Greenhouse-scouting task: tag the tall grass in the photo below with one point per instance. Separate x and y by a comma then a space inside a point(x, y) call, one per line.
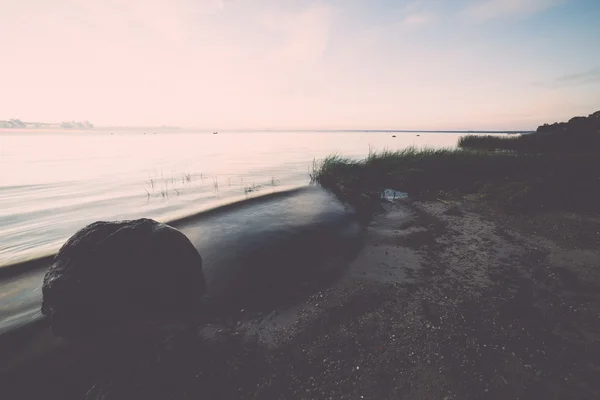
point(583, 140)
point(489, 142)
point(578, 135)
point(511, 179)
point(251, 188)
point(557, 166)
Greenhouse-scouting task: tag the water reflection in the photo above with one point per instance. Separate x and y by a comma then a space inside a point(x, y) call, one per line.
point(53, 184)
point(255, 253)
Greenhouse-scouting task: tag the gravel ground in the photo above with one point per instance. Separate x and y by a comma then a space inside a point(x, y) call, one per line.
point(499, 307)
point(447, 300)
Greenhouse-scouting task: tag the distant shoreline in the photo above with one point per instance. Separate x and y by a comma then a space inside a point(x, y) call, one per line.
point(187, 130)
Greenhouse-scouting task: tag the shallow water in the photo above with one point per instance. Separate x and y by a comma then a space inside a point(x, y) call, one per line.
point(54, 183)
point(247, 263)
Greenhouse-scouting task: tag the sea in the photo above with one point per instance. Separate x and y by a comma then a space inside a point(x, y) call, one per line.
point(53, 183)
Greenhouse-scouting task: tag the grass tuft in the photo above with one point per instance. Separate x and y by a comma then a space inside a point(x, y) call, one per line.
point(251, 188)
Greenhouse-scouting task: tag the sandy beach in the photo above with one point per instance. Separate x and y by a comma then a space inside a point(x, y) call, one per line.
point(457, 302)
point(300, 200)
point(446, 300)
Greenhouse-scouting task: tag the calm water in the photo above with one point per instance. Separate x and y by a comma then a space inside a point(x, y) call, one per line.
point(54, 183)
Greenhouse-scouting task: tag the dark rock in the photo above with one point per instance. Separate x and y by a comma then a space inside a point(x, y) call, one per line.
point(110, 274)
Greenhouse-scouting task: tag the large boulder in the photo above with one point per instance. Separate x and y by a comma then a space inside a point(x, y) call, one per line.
point(111, 274)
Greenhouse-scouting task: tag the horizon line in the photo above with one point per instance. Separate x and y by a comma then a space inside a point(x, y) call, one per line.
point(178, 128)
point(56, 125)
point(321, 129)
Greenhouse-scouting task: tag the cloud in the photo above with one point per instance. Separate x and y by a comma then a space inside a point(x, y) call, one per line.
point(491, 9)
point(414, 20)
point(303, 34)
point(293, 63)
point(573, 79)
point(592, 75)
point(417, 13)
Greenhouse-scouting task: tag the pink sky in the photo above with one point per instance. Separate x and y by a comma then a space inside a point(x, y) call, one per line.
point(353, 64)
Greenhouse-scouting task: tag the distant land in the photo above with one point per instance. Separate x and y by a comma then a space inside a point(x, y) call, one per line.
point(86, 125)
point(18, 124)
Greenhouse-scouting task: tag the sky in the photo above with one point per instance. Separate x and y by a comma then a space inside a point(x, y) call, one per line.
point(300, 64)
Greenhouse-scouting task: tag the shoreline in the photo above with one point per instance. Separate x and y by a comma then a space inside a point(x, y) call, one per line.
point(16, 274)
point(484, 283)
point(446, 299)
point(176, 218)
point(240, 225)
point(485, 310)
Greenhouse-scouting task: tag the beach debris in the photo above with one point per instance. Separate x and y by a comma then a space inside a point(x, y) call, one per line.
point(391, 195)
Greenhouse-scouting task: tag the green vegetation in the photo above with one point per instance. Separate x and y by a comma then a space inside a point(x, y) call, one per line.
point(580, 134)
point(519, 180)
point(251, 188)
point(489, 142)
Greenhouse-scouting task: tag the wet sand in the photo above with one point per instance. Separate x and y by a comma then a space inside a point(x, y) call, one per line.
point(461, 302)
point(445, 301)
